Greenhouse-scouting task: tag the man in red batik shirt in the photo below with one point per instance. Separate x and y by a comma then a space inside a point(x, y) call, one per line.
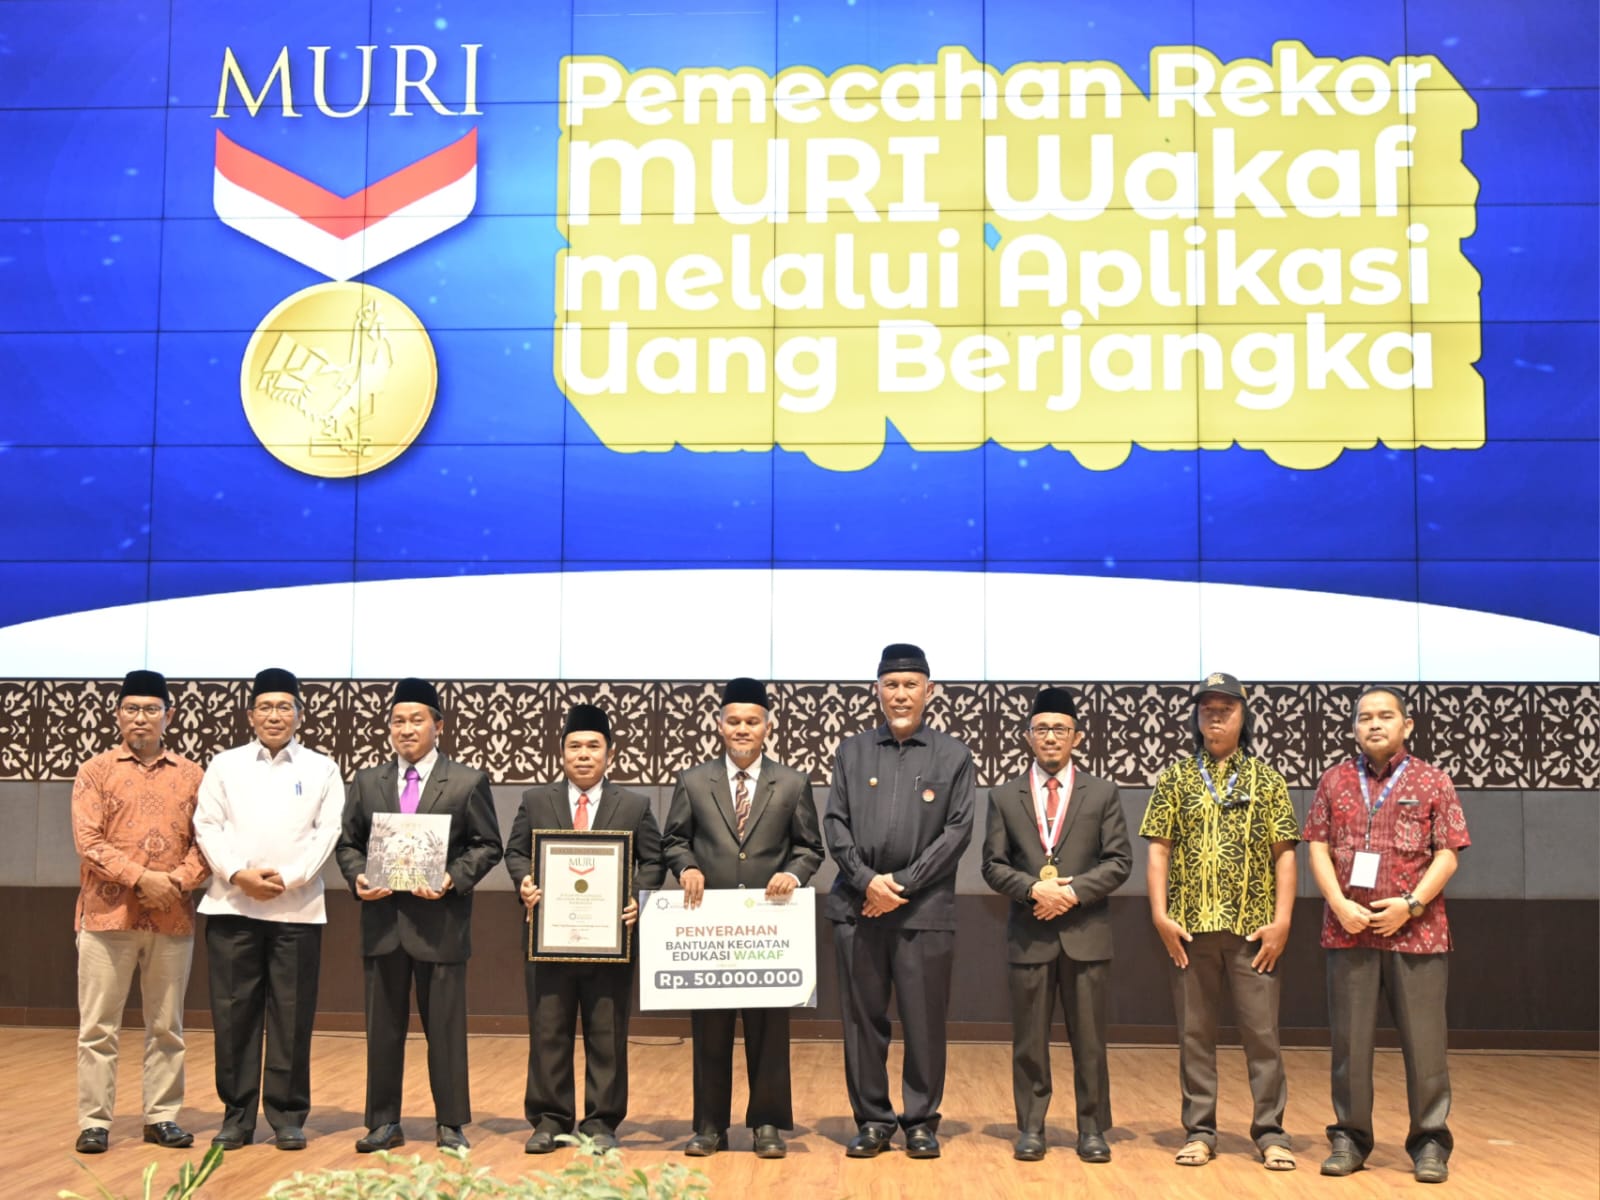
point(1384, 832)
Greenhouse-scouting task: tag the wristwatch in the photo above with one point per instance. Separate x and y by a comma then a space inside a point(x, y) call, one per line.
point(1416, 906)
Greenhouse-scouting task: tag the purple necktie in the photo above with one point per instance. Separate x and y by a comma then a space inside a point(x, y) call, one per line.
point(411, 793)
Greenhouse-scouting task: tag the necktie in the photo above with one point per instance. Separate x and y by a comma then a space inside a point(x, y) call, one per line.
point(741, 803)
point(411, 794)
point(580, 819)
point(1052, 804)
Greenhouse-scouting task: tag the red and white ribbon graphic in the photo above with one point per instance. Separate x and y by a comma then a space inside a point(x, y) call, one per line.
point(344, 236)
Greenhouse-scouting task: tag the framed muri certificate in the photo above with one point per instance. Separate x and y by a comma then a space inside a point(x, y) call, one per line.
point(585, 880)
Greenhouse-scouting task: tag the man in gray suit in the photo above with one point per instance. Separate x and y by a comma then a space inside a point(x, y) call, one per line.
point(423, 935)
point(743, 820)
point(559, 991)
point(1057, 845)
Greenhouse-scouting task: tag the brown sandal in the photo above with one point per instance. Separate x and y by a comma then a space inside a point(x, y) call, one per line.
point(1278, 1158)
point(1195, 1154)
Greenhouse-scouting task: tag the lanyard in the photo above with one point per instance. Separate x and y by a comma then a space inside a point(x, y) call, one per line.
point(1212, 788)
point(1047, 837)
point(1366, 794)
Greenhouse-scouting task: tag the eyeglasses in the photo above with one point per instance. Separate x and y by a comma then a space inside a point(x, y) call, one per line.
point(141, 710)
point(1045, 732)
point(283, 709)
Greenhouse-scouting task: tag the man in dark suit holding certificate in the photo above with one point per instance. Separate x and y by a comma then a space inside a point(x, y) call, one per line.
point(743, 820)
point(601, 991)
point(424, 935)
point(1057, 845)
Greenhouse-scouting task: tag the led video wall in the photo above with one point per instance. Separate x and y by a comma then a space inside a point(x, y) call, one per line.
point(658, 340)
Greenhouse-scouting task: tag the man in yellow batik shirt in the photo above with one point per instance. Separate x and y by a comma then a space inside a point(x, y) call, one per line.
point(1221, 880)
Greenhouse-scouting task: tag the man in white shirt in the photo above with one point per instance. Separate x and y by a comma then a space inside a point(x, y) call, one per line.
point(267, 820)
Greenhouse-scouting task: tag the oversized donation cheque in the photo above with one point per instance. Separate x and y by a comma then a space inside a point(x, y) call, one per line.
point(737, 950)
point(585, 880)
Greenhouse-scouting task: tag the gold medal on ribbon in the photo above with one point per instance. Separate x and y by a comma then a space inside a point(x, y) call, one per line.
point(338, 380)
point(1048, 871)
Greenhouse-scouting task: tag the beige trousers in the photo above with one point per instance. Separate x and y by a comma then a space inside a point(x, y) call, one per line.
point(106, 963)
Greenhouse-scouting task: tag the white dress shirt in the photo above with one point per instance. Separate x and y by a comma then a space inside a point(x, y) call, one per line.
point(574, 791)
point(424, 768)
point(275, 811)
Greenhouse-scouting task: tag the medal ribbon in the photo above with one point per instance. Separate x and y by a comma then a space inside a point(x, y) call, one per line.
point(1048, 836)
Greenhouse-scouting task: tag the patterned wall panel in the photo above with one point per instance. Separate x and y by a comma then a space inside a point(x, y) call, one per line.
point(1487, 736)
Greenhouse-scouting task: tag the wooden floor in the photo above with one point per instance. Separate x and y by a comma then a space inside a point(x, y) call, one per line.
point(1526, 1125)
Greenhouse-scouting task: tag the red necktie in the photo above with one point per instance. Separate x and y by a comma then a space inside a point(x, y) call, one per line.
point(580, 820)
point(1052, 804)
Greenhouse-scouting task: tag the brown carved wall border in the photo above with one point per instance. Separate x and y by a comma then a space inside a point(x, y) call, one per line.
point(1487, 736)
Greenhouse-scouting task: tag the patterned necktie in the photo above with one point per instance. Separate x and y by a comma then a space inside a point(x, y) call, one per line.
point(580, 819)
point(411, 794)
point(1052, 804)
point(741, 803)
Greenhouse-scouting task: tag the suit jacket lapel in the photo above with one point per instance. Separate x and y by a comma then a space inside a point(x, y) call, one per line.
point(388, 798)
point(758, 802)
point(434, 788)
point(1030, 816)
point(560, 808)
point(722, 793)
point(604, 807)
point(1074, 805)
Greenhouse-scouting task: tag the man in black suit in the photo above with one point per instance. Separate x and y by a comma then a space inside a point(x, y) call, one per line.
point(743, 820)
point(424, 935)
point(559, 991)
point(1057, 844)
point(899, 815)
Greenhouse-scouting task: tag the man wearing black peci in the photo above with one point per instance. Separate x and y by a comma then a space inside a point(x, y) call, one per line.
point(1057, 845)
point(558, 992)
point(742, 820)
point(423, 935)
point(899, 815)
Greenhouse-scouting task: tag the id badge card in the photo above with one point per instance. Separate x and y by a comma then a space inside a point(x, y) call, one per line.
point(1364, 871)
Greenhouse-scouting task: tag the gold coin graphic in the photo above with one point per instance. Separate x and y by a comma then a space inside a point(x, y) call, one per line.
point(338, 380)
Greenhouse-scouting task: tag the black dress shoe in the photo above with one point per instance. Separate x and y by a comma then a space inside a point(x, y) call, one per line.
point(921, 1143)
point(381, 1137)
point(233, 1139)
point(1092, 1148)
point(605, 1140)
point(869, 1143)
point(1344, 1160)
point(1029, 1147)
point(450, 1137)
point(94, 1140)
point(704, 1145)
point(769, 1142)
point(1430, 1166)
point(168, 1134)
point(540, 1142)
point(290, 1137)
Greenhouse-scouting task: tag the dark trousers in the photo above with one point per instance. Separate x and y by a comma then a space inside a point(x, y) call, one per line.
point(1219, 965)
point(442, 1004)
point(916, 964)
point(558, 995)
point(1084, 988)
point(1415, 986)
point(263, 981)
point(766, 1060)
